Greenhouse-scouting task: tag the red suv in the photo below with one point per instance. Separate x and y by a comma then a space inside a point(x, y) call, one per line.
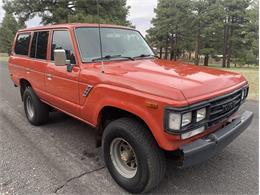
point(142, 107)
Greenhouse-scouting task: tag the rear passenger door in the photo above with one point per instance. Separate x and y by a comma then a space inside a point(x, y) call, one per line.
point(38, 62)
point(61, 85)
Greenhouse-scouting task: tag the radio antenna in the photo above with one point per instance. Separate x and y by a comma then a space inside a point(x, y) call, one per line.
point(100, 41)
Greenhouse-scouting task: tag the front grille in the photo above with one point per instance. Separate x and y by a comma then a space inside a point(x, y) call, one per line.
point(223, 107)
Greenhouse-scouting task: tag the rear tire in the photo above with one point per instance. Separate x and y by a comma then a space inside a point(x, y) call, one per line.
point(36, 111)
point(132, 156)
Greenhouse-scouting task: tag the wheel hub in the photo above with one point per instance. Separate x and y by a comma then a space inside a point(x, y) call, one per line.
point(29, 107)
point(123, 157)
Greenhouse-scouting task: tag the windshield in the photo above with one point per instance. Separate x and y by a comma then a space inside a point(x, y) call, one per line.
point(115, 42)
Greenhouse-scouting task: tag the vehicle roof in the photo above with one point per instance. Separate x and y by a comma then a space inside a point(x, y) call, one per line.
point(71, 25)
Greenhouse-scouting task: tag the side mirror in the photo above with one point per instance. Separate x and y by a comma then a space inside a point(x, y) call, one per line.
point(60, 57)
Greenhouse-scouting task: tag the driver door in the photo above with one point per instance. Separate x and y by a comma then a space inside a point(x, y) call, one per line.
point(62, 86)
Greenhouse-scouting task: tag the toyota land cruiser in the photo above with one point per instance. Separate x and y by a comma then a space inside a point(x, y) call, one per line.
point(142, 107)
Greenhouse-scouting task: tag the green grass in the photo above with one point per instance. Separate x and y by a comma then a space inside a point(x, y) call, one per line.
point(251, 73)
point(4, 57)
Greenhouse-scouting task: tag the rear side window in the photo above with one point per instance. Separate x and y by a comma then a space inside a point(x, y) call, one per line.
point(22, 44)
point(61, 40)
point(39, 45)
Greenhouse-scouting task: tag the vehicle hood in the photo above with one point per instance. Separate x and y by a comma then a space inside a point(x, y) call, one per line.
point(163, 78)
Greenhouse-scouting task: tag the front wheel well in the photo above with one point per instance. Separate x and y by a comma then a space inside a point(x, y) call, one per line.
point(23, 85)
point(109, 114)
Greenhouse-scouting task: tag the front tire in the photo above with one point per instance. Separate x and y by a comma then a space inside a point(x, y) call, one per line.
point(36, 111)
point(132, 156)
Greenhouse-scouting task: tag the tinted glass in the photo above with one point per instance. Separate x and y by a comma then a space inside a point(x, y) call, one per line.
point(42, 44)
point(115, 41)
point(22, 44)
point(61, 40)
point(39, 45)
point(33, 45)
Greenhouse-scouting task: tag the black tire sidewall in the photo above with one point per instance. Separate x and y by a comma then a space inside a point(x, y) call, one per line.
point(27, 94)
point(139, 181)
point(41, 111)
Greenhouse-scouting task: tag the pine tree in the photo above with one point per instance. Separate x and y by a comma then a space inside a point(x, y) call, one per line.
point(170, 26)
point(208, 28)
point(234, 20)
point(8, 30)
point(64, 11)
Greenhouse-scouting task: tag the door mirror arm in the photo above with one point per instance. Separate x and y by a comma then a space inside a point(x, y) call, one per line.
point(70, 67)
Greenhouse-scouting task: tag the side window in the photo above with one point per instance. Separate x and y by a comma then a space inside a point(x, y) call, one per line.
point(61, 40)
point(39, 45)
point(22, 44)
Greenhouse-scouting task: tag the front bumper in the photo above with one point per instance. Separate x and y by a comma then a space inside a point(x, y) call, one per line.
point(206, 147)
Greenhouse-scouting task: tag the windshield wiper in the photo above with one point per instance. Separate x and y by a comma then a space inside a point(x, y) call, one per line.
point(107, 57)
point(146, 55)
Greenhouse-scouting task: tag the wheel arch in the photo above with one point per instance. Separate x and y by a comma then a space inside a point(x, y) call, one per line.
point(110, 113)
point(24, 83)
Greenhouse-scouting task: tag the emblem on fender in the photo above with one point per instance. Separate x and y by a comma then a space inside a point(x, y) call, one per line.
point(87, 90)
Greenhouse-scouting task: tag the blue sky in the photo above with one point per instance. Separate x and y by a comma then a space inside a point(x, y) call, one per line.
point(141, 13)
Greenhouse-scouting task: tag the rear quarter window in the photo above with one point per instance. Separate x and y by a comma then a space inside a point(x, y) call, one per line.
point(22, 44)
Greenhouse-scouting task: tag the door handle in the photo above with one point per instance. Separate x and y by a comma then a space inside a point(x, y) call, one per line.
point(49, 76)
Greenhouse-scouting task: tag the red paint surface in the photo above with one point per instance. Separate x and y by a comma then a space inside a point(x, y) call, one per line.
point(124, 84)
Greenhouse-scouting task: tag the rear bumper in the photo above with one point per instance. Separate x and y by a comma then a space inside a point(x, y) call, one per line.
point(206, 147)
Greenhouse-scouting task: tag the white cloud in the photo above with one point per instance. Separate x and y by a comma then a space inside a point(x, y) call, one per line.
point(33, 22)
point(141, 14)
point(2, 12)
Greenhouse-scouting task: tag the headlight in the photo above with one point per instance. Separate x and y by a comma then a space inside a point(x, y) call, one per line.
point(186, 119)
point(178, 120)
point(201, 114)
point(174, 121)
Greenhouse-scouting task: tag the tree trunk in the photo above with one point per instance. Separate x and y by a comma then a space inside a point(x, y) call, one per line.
point(160, 52)
point(68, 11)
point(206, 60)
point(172, 47)
point(228, 55)
point(229, 50)
point(166, 48)
point(171, 54)
point(197, 46)
point(175, 48)
point(189, 55)
point(226, 38)
point(224, 47)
